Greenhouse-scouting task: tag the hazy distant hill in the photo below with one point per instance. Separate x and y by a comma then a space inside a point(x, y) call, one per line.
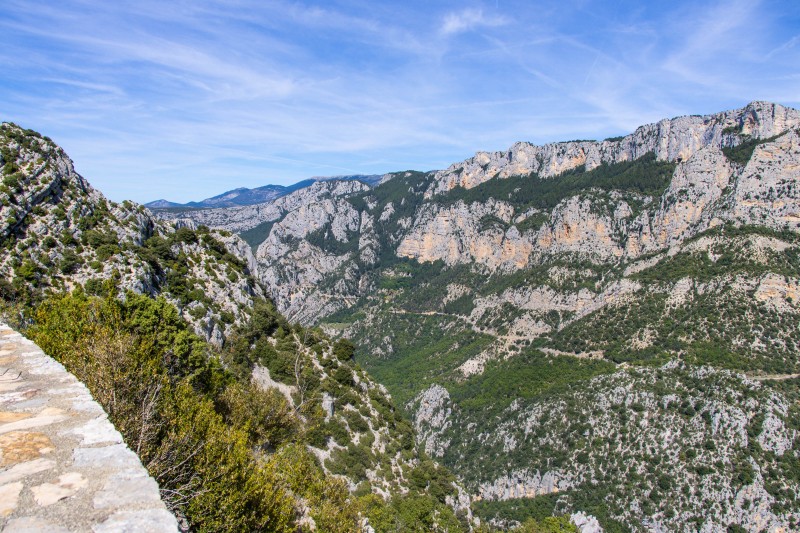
point(259, 195)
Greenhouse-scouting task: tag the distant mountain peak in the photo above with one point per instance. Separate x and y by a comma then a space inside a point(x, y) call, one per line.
point(266, 193)
point(161, 204)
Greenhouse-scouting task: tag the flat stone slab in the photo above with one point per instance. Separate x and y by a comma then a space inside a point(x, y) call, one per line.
point(63, 465)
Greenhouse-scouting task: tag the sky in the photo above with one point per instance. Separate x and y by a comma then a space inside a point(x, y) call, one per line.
point(184, 99)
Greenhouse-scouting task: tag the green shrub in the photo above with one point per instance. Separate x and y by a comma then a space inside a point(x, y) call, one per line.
point(344, 350)
point(106, 251)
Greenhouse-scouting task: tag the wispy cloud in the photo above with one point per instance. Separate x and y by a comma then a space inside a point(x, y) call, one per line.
point(469, 19)
point(707, 31)
point(186, 99)
point(784, 47)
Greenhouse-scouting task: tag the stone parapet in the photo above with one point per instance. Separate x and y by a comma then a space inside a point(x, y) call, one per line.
point(63, 465)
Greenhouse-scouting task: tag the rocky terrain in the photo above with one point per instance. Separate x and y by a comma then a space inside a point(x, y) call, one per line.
point(691, 446)
point(76, 263)
point(59, 232)
point(576, 279)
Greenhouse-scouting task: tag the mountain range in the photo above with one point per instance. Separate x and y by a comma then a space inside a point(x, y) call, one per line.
point(602, 331)
point(603, 327)
point(258, 195)
point(247, 422)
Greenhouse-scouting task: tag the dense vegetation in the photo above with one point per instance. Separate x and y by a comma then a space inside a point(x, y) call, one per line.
point(169, 399)
point(529, 375)
point(675, 438)
point(727, 327)
point(644, 176)
point(258, 234)
point(742, 152)
point(426, 320)
point(227, 454)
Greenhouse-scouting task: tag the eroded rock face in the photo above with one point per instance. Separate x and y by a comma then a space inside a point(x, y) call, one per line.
point(768, 190)
point(586, 523)
point(706, 190)
point(294, 281)
point(61, 233)
point(670, 140)
point(320, 243)
point(432, 411)
point(523, 484)
point(239, 219)
point(579, 226)
point(696, 185)
point(459, 234)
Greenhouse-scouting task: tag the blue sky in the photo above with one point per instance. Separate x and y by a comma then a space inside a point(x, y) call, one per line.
point(186, 99)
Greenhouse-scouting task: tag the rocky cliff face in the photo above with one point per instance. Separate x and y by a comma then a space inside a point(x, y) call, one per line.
point(440, 221)
point(59, 233)
point(240, 219)
point(706, 189)
point(670, 140)
point(523, 289)
point(645, 435)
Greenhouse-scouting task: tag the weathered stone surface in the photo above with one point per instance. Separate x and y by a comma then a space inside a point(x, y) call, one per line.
point(98, 431)
point(21, 446)
point(117, 457)
point(525, 484)
point(455, 235)
point(130, 488)
point(432, 412)
point(63, 465)
point(767, 192)
point(44, 418)
point(64, 486)
point(34, 524)
point(9, 496)
point(25, 469)
point(147, 521)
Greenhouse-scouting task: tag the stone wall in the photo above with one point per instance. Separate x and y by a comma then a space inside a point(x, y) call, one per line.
point(63, 465)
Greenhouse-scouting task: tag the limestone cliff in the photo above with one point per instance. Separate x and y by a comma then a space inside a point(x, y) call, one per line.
point(60, 233)
point(538, 310)
point(318, 242)
point(239, 219)
point(670, 140)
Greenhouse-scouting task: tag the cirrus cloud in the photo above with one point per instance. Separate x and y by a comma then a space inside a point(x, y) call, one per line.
point(468, 19)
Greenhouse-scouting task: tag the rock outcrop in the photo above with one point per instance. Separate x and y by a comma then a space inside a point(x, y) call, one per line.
point(318, 242)
point(539, 310)
point(670, 140)
point(239, 219)
point(60, 233)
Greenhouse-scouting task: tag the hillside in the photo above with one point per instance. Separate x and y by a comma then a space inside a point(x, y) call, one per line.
point(606, 327)
point(247, 421)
